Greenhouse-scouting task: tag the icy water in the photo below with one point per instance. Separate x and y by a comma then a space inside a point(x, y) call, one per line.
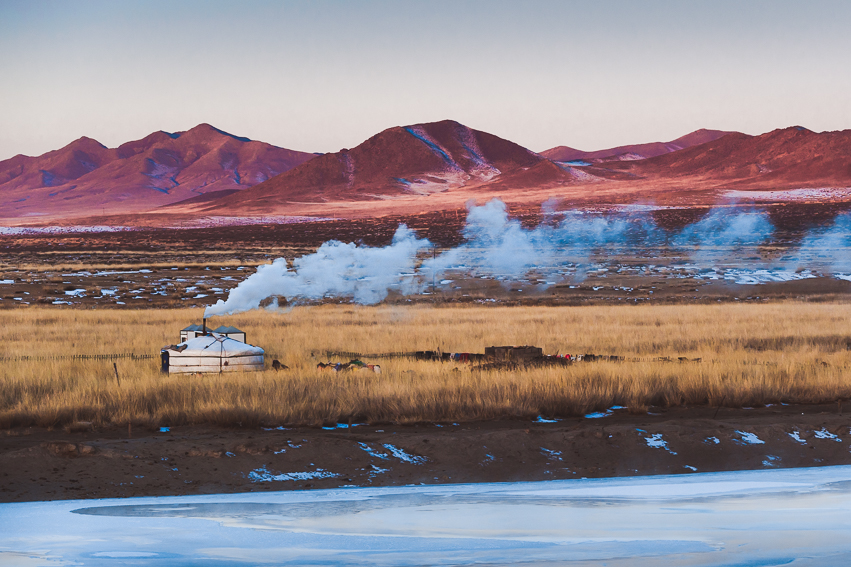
point(772, 517)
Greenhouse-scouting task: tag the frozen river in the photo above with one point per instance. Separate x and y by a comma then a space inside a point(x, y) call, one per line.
point(751, 518)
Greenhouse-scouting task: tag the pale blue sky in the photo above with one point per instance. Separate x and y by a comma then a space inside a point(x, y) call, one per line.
point(322, 75)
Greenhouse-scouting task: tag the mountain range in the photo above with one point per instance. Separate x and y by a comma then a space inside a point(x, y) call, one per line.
point(161, 168)
point(437, 165)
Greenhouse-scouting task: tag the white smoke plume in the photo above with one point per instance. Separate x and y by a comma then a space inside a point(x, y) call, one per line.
point(499, 247)
point(496, 246)
point(831, 245)
point(366, 274)
point(722, 229)
point(711, 239)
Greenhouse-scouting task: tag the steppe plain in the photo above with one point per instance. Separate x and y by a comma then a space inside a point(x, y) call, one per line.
point(768, 390)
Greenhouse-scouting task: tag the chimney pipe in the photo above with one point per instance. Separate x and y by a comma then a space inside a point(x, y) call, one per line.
point(205, 327)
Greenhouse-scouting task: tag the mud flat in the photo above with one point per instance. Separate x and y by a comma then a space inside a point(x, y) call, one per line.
point(37, 464)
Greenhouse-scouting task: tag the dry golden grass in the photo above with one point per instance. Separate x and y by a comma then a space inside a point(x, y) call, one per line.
point(752, 355)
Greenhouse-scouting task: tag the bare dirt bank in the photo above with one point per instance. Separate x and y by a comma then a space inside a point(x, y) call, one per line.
point(37, 464)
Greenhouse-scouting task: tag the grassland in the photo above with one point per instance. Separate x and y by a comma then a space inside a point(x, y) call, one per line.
point(751, 355)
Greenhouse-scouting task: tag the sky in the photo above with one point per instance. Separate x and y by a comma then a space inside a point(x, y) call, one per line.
point(323, 75)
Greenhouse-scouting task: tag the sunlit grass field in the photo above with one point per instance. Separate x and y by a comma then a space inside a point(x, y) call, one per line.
point(750, 355)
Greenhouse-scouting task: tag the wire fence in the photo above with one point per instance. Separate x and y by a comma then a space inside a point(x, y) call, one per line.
point(118, 356)
point(347, 354)
point(429, 355)
point(423, 355)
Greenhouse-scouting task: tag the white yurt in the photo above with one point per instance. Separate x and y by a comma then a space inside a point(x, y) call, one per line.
point(212, 353)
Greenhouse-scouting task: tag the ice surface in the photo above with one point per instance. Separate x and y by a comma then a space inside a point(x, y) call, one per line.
point(766, 517)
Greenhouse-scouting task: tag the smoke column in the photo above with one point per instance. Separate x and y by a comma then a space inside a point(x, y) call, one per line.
point(364, 273)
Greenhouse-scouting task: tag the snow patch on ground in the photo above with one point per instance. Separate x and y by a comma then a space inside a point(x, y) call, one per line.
point(796, 435)
point(823, 433)
point(372, 452)
point(748, 438)
point(550, 454)
point(801, 194)
point(403, 456)
point(755, 277)
point(263, 475)
point(598, 414)
point(771, 461)
point(545, 420)
point(656, 442)
point(19, 230)
point(215, 221)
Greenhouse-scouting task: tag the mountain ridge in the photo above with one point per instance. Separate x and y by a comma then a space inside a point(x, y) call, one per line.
point(634, 151)
point(159, 169)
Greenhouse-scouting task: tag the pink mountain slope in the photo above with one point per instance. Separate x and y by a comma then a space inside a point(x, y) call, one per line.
point(634, 151)
point(85, 177)
point(420, 159)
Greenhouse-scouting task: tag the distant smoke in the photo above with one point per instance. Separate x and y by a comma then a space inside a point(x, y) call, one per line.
point(494, 245)
point(365, 274)
point(720, 228)
point(497, 247)
point(830, 245)
point(721, 231)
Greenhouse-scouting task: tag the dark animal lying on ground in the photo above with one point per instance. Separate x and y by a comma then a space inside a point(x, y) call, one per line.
point(276, 365)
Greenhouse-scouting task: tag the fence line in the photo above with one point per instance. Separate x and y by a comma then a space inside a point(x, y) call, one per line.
point(342, 354)
point(346, 354)
point(595, 358)
point(119, 356)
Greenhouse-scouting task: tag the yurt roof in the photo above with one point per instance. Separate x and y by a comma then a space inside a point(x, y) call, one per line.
point(224, 329)
point(218, 346)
